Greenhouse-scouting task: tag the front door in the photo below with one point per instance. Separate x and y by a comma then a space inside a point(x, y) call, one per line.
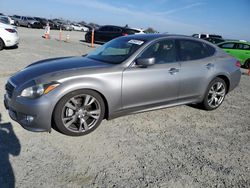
point(154, 84)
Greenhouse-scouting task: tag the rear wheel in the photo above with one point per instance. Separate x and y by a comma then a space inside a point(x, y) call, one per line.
point(1, 44)
point(215, 94)
point(79, 112)
point(247, 64)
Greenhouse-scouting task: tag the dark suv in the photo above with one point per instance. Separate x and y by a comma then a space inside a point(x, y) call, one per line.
point(109, 32)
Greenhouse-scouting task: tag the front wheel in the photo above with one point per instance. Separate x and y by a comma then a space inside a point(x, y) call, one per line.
point(215, 94)
point(1, 44)
point(79, 112)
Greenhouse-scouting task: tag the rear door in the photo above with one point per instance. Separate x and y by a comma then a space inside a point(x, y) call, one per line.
point(243, 52)
point(154, 84)
point(197, 65)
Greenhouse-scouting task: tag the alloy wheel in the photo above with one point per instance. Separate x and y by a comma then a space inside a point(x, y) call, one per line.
point(81, 113)
point(216, 94)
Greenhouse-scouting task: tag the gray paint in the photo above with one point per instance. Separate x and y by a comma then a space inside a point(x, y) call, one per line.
point(126, 87)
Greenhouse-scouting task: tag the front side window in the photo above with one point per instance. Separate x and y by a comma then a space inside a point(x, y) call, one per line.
point(116, 51)
point(227, 45)
point(163, 51)
point(193, 50)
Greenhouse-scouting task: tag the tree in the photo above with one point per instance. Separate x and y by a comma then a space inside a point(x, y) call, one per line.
point(150, 30)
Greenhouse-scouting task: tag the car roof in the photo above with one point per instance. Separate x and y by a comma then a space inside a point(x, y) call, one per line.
point(233, 41)
point(149, 37)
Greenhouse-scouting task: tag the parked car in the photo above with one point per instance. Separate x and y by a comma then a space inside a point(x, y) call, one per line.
point(29, 22)
point(8, 36)
point(16, 19)
point(78, 27)
point(63, 25)
point(54, 25)
point(43, 21)
point(214, 40)
point(240, 50)
point(130, 74)
point(138, 31)
point(109, 32)
point(8, 19)
point(202, 36)
point(4, 20)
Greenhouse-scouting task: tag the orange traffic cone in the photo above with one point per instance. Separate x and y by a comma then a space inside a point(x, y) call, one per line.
point(47, 36)
point(248, 73)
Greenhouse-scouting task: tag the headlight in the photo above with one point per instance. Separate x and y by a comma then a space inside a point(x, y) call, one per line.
point(38, 90)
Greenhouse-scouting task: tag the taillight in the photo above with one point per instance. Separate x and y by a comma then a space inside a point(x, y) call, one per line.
point(11, 30)
point(124, 34)
point(237, 64)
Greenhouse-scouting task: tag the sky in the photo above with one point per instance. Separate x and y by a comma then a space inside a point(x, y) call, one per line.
point(229, 18)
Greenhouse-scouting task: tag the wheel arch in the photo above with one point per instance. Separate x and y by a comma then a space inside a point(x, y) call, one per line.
point(106, 115)
point(3, 42)
point(226, 79)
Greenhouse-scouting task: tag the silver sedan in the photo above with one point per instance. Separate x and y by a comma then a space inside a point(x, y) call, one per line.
point(127, 75)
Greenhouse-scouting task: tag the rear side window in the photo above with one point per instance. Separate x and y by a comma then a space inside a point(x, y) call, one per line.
point(193, 50)
point(243, 47)
point(227, 45)
point(203, 36)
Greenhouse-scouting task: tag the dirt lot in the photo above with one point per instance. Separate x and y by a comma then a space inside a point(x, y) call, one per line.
point(175, 147)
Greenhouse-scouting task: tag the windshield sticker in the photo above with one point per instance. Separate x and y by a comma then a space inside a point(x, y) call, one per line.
point(138, 42)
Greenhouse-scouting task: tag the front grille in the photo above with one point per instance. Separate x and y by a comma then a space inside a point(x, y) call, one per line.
point(9, 89)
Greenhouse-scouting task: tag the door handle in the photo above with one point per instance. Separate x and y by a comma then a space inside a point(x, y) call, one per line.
point(173, 70)
point(209, 65)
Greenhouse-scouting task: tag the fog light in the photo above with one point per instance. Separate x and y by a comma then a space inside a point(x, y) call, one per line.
point(29, 119)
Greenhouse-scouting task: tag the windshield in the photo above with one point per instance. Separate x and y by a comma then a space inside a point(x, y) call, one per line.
point(116, 51)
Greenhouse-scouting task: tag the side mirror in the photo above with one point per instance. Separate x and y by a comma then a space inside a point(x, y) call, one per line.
point(145, 62)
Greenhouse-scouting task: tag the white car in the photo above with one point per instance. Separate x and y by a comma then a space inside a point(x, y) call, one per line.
point(8, 36)
point(78, 27)
point(7, 19)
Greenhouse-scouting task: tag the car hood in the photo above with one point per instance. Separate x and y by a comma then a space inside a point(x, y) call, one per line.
point(55, 65)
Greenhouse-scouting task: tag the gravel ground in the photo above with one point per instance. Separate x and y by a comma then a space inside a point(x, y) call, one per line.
point(175, 147)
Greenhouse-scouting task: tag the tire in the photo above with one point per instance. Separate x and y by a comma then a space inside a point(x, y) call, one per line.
point(79, 112)
point(215, 94)
point(88, 38)
point(247, 64)
point(1, 44)
point(29, 26)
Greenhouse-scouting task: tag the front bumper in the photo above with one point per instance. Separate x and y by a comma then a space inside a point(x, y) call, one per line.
point(24, 110)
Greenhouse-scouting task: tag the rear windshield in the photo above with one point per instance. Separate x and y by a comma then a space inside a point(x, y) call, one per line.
point(116, 51)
